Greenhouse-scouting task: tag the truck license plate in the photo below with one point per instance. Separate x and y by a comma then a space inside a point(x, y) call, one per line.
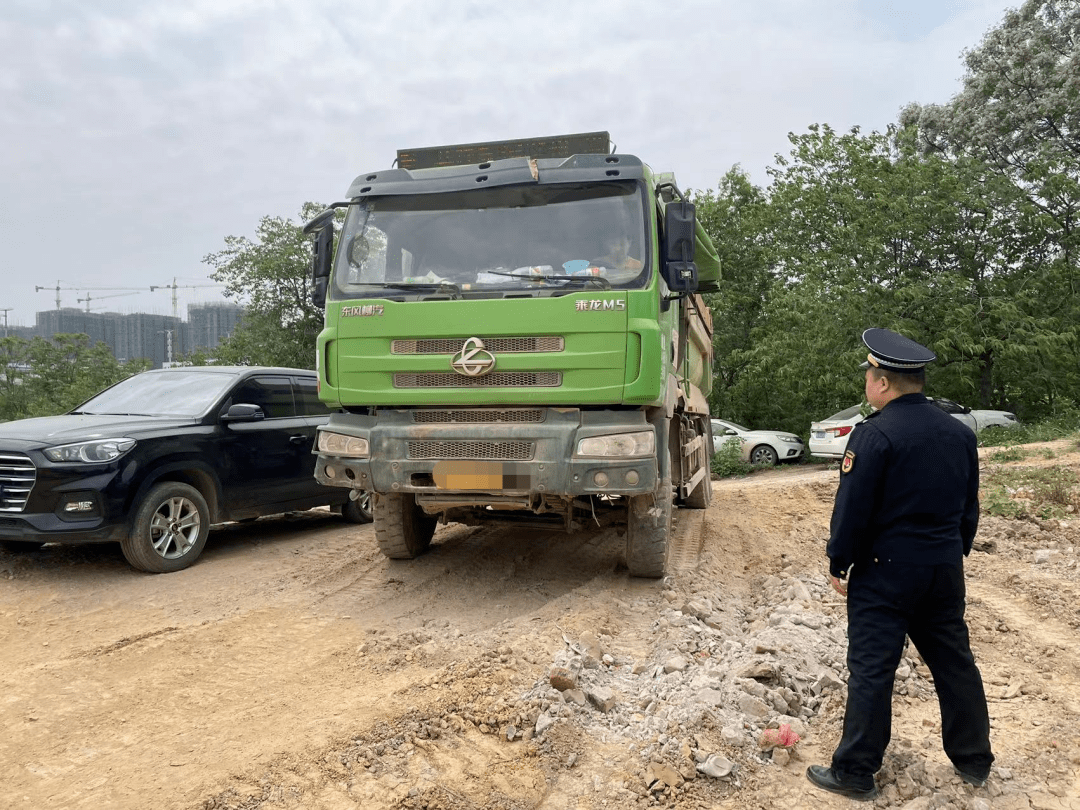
point(483, 475)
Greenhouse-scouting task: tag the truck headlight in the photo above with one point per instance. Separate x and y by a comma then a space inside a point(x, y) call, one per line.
point(619, 445)
point(338, 444)
point(92, 452)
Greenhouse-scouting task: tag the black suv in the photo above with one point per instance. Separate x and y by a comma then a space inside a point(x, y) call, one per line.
point(156, 459)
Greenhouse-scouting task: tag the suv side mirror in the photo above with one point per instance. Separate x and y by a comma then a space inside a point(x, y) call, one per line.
point(678, 267)
point(323, 228)
point(242, 412)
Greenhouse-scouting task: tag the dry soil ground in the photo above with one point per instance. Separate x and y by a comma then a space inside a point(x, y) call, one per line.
point(293, 666)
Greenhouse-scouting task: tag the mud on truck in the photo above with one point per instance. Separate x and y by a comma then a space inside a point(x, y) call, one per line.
point(514, 333)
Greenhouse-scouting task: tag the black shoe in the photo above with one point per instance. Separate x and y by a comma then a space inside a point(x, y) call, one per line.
point(972, 779)
point(826, 779)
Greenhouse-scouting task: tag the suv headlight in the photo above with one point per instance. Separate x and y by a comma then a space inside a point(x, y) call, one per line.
point(338, 444)
point(92, 452)
point(619, 445)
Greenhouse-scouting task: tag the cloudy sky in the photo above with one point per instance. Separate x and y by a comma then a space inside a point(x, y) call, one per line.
point(136, 134)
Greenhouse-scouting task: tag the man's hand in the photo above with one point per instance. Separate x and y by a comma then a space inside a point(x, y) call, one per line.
point(839, 585)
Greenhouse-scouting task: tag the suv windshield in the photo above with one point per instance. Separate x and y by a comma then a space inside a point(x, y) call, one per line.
point(173, 393)
point(539, 238)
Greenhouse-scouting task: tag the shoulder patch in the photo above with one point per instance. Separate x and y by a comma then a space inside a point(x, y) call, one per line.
point(848, 464)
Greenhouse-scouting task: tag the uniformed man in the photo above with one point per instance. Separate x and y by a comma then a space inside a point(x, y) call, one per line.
point(904, 518)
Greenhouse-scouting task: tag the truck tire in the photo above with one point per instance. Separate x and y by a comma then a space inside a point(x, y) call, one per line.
point(648, 531)
point(402, 529)
point(169, 530)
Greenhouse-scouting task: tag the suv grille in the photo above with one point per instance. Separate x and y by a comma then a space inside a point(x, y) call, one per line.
point(498, 345)
point(481, 416)
point(17, 477)
point(503, 451)
point(497, 379)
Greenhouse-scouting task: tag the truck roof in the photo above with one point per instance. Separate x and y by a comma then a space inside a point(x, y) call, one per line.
point(463, 154)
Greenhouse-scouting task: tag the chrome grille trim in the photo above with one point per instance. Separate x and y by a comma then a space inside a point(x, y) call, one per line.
point(501, 451)
point(497, 379)
point(17, 477)
point(477, 416)
point(498, 345)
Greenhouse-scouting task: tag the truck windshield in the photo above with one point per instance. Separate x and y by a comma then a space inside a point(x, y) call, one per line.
point(538, 238)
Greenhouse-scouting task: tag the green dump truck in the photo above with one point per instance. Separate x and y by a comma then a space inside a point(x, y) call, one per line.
point(514, 333)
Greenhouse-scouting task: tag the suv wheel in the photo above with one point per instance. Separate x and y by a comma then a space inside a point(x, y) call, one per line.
point(359, 510)
point(169, 530)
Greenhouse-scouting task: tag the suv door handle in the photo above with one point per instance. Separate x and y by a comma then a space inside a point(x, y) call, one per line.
point(298, 439)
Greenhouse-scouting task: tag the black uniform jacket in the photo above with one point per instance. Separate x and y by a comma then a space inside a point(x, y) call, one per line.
point(909, 489)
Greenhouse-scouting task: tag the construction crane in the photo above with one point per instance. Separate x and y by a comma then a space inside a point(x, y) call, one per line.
point(98, 298)
point(174, 286)
point(60, 286)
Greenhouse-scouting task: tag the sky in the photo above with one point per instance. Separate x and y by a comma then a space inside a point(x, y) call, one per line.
point(135, 135)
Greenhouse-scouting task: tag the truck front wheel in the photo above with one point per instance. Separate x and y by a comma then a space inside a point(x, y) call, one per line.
point(402, 529)
point(648, 529)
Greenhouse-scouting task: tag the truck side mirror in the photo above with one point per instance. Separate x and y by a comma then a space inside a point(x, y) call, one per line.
point(323, 228)
point(678, 267)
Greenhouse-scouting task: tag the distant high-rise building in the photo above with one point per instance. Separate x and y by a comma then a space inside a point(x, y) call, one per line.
point(158, 338)
point(209, 324)
point(72, 321)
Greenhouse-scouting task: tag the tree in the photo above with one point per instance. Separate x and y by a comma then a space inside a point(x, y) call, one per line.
point(43, 376)
point(735, 218)
point(1019, 115)
point(270, 277)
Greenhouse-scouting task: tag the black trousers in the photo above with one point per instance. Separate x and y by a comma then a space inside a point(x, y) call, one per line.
point(887, 601)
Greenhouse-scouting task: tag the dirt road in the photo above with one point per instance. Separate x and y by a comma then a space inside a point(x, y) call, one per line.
point(293, 666)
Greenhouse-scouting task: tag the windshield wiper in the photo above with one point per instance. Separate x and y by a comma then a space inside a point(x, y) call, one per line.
point(447, 287)
point(600, 281)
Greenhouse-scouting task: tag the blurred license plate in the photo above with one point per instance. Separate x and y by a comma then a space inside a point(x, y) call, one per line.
point(468, 475)
point(819, 434)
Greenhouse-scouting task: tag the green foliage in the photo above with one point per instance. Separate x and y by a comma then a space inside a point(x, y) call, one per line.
point(1066, 422)
point(956, 228)
point(1040, 492)
point(270, 277)
point(1008, 454)
point(43, 377)
point(995, 501)
point(728, 461)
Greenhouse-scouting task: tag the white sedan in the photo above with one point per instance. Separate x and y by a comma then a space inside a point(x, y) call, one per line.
point(829, 437)
point(765, 447)
point(978, 418)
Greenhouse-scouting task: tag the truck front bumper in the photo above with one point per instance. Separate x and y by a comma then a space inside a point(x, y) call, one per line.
point(504, 458)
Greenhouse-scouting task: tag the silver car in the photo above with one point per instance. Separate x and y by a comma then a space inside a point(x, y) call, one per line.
point(829, 437)
point(765, 447)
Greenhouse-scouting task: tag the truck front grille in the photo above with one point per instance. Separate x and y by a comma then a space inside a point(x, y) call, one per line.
point(17, 477)
point(478, 416)
point(497, 379)
point(500, 451)
point(498, 345)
